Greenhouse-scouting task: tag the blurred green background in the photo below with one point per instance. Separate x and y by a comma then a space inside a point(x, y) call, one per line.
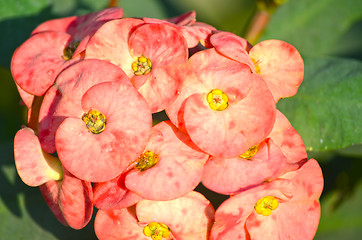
point(326, 111)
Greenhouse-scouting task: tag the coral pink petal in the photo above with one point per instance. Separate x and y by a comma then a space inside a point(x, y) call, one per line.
point(231, 215)
point(108, 153)
point(232, 46)
point(175, 109)
point(50, 192)
point(307, 180)
point(64, 99)
point(110, 43)
point(209, 129)
point(280, 65)
point(161, 43)
point(34, 68)
point(206, 71)
point(185, 19)
point(255, 114)
point(118, 224)
point(300, 215)
point(34, 166)
point(189, 217)
point(288, 139)
point(85, 26)
point(55, 25)
point(159, 89)
point(25, 96)
point(197, 33)
point(114, 194)
point(246, 122)
point(176, 161)
point(215, 71)
point(167, 50)
point(230, 175)
point(75, 201)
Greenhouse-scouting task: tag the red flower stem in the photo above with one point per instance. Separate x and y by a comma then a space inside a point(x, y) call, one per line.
point(257, 26)
point(34, 115)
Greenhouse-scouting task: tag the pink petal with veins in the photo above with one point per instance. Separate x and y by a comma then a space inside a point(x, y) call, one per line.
point(281, 65)
point(101, 157)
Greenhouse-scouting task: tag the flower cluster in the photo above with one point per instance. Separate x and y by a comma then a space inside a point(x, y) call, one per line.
point(93, 85)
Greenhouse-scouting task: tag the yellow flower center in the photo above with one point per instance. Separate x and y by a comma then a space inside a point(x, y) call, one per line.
point(217, 100)
point(142, 66)
point(69, 50)
point(266, 205)
point(250, 152)
point(146, 160)
point(95, 121)
point(256, 65)
point(156, 230)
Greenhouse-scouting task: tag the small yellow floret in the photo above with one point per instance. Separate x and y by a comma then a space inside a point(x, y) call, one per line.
point(250, 152)
point(69, 50)
point(95, 121)
point(142, 66)
point(256, 65)
point(217, 99)
point(146, 160)
point(266, 205)
point(156, 230)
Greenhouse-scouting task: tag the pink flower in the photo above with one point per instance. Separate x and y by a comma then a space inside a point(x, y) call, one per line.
point(37, 62)
point(69, 198)
point(194, 32)
point(287, 208)
point(152, 55)
point(280, 64)
point(222, 105)
point(64, 98)
point(187, 218)
point(34, 165)
point(113, 194)
point(277, 62)
point(169, 167)
point(81, 28)
point(283, 150)
point(98, 143)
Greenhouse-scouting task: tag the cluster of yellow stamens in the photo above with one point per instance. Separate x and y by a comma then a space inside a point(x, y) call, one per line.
point(156, 230)
point(250, 152)
point(256, 65)
point(146, 160)
point(217, 100)
point(69, 50)
point(266, 205)
point(142, 66)
point(95, 121)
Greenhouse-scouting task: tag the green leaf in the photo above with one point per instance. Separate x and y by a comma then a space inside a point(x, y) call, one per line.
point(327, 110)
point(23, 211)
point(314, 27)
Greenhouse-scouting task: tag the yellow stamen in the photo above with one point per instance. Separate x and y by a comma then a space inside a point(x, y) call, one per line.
point(217, 99)
point(156, 230)
point(69, 50)
point(256, 65)
point(266, 205)
point(95, 121)
point(250, 152)
point(142, 66)
point(146, 160)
